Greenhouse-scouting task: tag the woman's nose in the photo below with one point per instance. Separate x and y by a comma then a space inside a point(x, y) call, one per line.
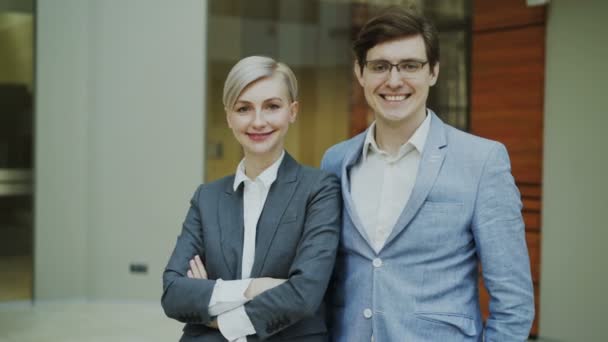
point(259, 120)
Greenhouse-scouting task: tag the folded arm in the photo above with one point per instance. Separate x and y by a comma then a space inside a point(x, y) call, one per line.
point(301, 295)
point(187, 299)
point(228, 298)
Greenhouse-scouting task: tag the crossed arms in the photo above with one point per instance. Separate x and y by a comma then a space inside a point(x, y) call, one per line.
point(275, 304)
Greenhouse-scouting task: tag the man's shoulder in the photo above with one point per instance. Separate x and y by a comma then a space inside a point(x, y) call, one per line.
point(340, 149)
point(334, 156)
point(468, 142)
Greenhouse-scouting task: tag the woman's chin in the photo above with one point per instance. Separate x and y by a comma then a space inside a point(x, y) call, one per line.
point(262, 152)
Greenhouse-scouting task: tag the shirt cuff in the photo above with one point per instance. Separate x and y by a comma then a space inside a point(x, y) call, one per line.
point(235, 323)
point(227, 295)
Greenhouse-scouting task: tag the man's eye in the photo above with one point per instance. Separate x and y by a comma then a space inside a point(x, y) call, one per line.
point(410, 66)
point(379, 67)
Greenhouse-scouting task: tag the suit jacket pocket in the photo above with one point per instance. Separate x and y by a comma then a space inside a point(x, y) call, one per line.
point(288, 218)
point(443, 322)
point(439, 222)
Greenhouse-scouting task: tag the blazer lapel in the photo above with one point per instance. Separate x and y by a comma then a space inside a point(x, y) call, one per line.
point(278, 199)
point(430, 164)
point(231, 227)
point(350, 160)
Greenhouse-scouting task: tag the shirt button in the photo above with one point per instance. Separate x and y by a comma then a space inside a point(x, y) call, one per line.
point(367, 313)
point(377, 262)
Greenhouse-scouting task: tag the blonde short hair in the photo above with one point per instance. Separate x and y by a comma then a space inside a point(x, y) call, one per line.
point(251, 69)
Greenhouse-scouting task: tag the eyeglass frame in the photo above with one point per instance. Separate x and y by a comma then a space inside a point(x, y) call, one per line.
point(391, 65)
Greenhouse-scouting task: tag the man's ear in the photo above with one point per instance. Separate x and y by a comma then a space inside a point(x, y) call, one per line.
point(358, 72)
point(294, 107)
point(435, 74)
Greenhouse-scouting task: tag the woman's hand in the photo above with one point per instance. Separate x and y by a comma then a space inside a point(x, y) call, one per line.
point(197, 269)
point(259, 285)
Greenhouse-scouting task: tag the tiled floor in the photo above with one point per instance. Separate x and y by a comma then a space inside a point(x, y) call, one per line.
point(86, 322)
point(90, 322)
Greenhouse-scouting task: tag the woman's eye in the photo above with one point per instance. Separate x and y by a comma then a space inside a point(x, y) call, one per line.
point(243, 109)
point(273, 106)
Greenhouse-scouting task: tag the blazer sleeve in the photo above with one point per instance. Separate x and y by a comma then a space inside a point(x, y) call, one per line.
point(301, 295)
point(499, 233)
point(186, 299)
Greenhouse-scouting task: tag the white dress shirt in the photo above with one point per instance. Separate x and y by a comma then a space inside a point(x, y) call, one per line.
point(381, 184)
point(228, 296)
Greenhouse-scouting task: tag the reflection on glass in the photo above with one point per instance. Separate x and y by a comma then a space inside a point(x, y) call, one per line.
point(449, 98)
point(16, 104)
point(314, 38)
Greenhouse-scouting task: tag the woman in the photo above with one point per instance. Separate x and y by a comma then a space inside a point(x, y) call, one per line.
point(257, 248)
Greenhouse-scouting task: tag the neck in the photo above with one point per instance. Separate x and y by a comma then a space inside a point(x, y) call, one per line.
point(390, 136)
point(256, 164)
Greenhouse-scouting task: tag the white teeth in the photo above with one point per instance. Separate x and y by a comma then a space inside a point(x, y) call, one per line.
point(394, 97)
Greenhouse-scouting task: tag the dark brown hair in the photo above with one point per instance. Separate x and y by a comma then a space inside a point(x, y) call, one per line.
point(394, 23)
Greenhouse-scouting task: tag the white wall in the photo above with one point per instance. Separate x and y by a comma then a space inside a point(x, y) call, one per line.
point(574, 274)
point(119, 144)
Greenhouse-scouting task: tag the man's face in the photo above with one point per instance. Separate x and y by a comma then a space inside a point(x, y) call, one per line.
point(398, 97)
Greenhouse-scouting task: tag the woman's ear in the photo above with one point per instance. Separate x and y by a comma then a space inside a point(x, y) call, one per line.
point(294, 107)
point(228, 117)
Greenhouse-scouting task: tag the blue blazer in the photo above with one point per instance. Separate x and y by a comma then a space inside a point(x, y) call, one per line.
point(464, 212)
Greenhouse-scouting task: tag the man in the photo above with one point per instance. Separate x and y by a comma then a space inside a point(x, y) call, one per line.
point(425, 205)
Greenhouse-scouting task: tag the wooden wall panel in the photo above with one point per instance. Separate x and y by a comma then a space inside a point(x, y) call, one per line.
point(507, 96)
point(501, 14)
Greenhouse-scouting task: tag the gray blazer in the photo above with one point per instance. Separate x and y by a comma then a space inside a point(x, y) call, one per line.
point(297, 239)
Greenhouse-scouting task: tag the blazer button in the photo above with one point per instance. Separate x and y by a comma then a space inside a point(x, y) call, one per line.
point(377, 262)
point(367, 313)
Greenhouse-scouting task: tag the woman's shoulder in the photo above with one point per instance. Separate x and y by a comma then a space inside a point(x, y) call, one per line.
point(317, 176)
point(215, 186)
point(313, 171)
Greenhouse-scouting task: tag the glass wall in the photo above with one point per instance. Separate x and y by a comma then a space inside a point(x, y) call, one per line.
point(314, 38)
point(16, 141)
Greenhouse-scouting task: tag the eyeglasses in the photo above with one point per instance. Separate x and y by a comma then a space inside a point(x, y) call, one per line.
point(407, 68)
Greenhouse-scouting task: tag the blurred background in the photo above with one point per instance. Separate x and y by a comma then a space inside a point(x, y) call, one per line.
point(111, 115)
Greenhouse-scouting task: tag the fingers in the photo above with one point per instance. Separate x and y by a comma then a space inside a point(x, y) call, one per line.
point(201, 267)
point(197, 269)
point(212, 324)
point(259, 285)
point(194, 270)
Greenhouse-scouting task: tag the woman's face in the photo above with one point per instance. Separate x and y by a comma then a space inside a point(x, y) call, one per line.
point(261, 116)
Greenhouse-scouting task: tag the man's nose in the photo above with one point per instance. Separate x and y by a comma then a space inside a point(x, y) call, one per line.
point(394, 78)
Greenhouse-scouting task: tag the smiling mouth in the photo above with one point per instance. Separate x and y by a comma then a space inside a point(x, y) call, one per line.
point(259, 136)
point(395, 98)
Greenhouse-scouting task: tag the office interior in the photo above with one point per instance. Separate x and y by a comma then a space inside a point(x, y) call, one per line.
point(111, 115)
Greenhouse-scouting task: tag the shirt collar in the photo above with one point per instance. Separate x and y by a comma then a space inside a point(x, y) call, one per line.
point(417, 140)
point(267, 177)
